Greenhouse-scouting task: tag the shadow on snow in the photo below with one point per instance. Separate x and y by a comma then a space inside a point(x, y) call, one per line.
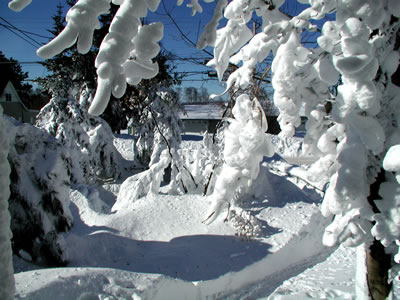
point(192, 258)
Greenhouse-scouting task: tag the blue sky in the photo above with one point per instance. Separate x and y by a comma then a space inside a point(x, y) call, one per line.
point(37, 18)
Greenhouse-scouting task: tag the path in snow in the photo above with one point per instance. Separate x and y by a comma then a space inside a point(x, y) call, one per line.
point(333, 278)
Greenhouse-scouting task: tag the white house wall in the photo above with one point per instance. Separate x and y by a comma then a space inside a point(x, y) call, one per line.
point(9, 89)
point(16, 108)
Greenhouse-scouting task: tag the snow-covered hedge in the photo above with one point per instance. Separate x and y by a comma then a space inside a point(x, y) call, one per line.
point(39, 200)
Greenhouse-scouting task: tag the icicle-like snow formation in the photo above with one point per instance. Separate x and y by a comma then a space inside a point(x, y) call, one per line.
point(82, 20)
point(230, 38)
point(194, 5)
point(126, 57)
point(209, 36)
point(6, 270)
point(125, 53)
point(18, 5)
point(245, 146)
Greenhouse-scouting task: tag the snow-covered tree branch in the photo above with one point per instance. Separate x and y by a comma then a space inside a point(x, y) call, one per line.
point(349, 139)
point(6, 271)
point(18, 5)
point(122, 58)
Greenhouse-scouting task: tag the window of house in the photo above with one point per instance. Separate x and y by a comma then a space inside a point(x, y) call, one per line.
point(8, 97)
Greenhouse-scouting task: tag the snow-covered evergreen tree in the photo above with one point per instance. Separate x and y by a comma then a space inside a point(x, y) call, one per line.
point(158, 116)
point(39, 200)
point(90, 154)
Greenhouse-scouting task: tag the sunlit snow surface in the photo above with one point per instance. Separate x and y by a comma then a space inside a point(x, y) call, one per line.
point(160, 249)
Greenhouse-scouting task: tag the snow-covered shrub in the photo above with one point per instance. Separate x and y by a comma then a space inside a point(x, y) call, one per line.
point(159, 128)
point(213, 146)
point(204, 161)
point(39, 200)
point(159, 131)
point(246, 143)
point(90, 154)
point(6, 270)
point(159, 117)
point(358, 46)
point(148, 181)
point(246, 225)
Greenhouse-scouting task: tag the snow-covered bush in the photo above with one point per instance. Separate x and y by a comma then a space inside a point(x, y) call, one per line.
point(205, 160)
point(159, 131)
point(39, 200)
point(246, 143)
point(140, 185)
point(159, 116)
point(246, 225)
point(6, 270)
point(90, 154)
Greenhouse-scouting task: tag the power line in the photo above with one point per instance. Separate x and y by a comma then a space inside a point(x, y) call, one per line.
point(12, 28)
point(21, 37)
point(20, 63)
point(27, 32)
point(20, 30)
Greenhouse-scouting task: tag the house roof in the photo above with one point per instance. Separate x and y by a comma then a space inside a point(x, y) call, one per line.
point(3, 84)
point(207, 111)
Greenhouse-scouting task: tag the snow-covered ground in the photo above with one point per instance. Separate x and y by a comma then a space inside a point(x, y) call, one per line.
point(160, 248)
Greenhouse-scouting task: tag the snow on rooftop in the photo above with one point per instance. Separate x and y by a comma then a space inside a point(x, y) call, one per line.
point(206, 111)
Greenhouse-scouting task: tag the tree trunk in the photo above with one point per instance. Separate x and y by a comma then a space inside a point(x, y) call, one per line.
point(377, 261)
point(6, 266)
point(378, 265)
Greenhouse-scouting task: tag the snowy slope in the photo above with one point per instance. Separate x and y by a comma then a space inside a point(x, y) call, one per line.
point(160, 249)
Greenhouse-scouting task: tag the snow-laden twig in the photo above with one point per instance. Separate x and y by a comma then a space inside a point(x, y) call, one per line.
point(18, 5)
point(209, 35)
